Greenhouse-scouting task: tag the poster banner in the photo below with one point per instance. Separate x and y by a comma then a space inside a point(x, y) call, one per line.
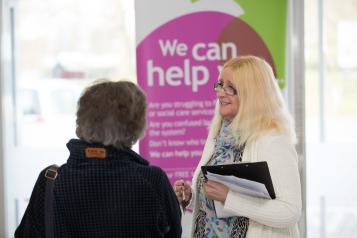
point(181, 46)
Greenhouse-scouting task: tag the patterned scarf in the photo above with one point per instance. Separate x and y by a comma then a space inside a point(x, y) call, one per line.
point(207, 224)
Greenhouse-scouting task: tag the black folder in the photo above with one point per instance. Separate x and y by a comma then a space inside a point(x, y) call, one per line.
point(254, 171)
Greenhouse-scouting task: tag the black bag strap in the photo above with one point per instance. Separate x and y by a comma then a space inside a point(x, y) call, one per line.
point(51, 175)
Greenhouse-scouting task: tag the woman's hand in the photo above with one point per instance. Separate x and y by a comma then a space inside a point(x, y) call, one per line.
point(215, 191)
point(183, 192)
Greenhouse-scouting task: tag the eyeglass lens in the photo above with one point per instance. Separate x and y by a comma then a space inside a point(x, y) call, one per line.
point(227, 89)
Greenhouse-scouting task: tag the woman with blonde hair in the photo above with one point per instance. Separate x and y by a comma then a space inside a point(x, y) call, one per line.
point(251, 124)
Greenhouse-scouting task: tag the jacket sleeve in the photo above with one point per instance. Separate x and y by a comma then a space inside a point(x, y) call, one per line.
point(285, 210)
point(172, 208)
point(32, 223)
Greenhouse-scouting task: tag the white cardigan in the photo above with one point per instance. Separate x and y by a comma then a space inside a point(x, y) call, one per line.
point(267, 218)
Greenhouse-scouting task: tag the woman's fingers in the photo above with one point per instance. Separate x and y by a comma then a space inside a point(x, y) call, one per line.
point(210, 191)
point(212, 183)
point(180, 182)
point(215, 190)
point(179, 187)
point(182, 190)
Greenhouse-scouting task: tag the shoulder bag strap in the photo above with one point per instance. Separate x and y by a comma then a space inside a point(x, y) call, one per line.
point(51, 175)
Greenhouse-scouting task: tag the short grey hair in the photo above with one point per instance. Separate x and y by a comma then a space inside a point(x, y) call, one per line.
point(111, 113)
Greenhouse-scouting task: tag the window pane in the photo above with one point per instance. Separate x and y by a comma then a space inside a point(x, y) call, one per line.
point(61, 47)
point(331, 163)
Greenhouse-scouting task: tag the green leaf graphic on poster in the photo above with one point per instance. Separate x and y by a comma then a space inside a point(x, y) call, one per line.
point(269, 19)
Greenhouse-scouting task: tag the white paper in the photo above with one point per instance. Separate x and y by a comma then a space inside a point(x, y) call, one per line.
point(238, 185)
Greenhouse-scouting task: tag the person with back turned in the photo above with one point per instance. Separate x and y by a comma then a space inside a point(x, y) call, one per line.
point(106, 189)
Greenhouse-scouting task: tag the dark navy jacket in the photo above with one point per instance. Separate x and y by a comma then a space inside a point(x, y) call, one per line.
point(117, 196)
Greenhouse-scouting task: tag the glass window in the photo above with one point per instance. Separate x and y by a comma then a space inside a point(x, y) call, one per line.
point(331, 118)
point(64, 101)
point(29, 103)
point(62, 46)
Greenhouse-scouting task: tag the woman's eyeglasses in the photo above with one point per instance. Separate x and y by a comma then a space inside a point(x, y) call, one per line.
point(229, 90)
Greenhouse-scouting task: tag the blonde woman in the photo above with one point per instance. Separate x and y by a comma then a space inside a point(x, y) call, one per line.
point(251, 124)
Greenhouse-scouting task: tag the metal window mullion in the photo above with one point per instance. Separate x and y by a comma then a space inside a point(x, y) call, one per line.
point(2, 167)
point(13, 74)
point(321, 37)
point(297, 93)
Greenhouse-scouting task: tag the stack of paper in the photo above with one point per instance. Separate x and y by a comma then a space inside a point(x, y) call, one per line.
point(251, 179)
point(238, 185)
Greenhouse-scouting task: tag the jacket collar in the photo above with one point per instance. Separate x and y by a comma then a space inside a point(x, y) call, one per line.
point(77, 149)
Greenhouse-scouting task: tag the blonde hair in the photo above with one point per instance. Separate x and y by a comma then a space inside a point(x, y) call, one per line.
point(111, 113)
point(261, 106)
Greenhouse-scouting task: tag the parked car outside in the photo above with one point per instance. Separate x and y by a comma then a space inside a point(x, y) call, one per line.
point(46, 111)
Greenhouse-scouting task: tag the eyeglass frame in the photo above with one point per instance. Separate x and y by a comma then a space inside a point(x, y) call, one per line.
point(219, 85)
